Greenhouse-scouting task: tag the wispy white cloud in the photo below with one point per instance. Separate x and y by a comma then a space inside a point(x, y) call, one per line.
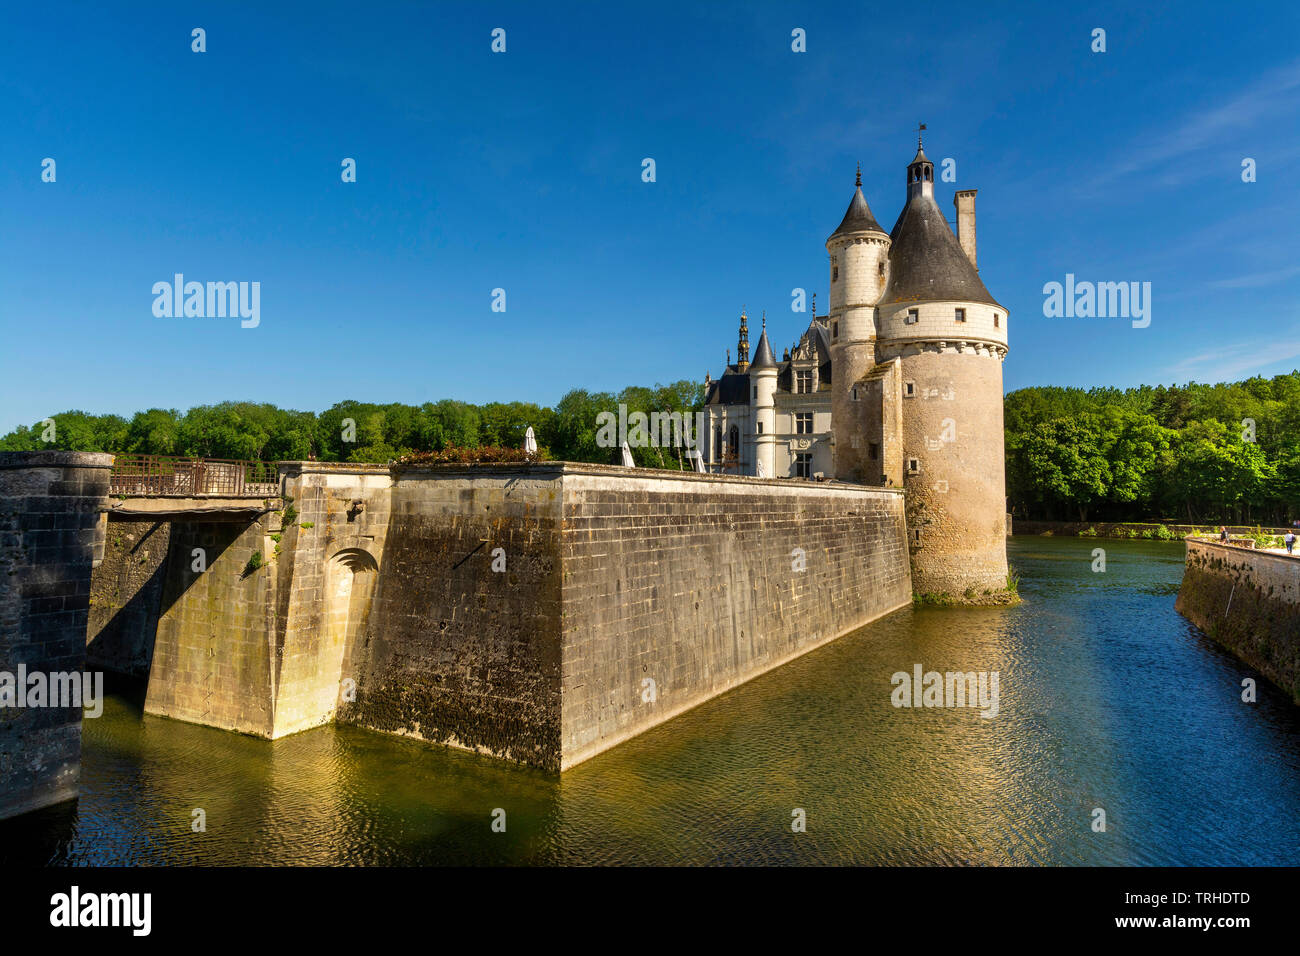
point(1255, 280)
point(1232, 362)
point(1273, 97)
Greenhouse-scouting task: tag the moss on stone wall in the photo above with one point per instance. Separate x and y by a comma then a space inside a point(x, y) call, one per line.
point(1237, 605)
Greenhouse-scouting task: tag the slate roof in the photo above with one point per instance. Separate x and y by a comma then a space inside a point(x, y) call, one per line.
point(763, 353)
point(926, 262)
point(858, 218)
point(731, 389)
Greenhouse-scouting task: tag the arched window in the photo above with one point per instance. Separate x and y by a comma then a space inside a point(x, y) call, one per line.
point(717, 443)
point(733, 440)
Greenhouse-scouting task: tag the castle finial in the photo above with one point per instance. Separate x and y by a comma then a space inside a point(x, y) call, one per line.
point(859, 182)
point(742, 346)
point(919, 130)
point(814, 305)
point(765, 320)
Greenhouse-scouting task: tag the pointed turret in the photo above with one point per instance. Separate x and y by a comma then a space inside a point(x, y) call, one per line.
point(858, 217)
point(763, 357)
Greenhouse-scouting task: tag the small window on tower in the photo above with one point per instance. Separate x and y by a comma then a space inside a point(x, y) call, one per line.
point(881, 268)
point(914, 465)
point(996, 320)
point(835, 330)
point(909, 389)
point(835, 272)
point(961, 315)
point(854, 392)
point(874, 449)
point(913, 316)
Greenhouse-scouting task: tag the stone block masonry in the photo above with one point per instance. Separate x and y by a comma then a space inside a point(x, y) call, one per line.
point(537, 612)
point(260, 647)
point(618, 600)
point(676, 590)
point(126, 594)
point(455, 651)
point(50, 509)
point(1248, 601)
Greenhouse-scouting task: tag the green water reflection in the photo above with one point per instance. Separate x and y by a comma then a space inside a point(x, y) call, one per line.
point(1108, 699)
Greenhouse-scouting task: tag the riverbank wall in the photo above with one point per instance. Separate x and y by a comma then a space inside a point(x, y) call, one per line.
point(51, 533)
point(1249, 602)
point(545, 613)
point(538, 612)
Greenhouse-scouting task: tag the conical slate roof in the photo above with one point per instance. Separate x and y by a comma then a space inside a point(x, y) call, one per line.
point(858, 218)
point(763, 353)
point(926, 261)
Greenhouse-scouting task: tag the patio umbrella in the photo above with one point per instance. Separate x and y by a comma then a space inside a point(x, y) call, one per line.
point(628, 460)
point(530, 442)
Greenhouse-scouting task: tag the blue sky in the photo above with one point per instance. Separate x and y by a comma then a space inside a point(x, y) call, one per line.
point(522, 171)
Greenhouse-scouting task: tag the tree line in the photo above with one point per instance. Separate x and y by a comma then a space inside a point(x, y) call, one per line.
point(1193, 453)
point(360, 431)
point(1227, 453)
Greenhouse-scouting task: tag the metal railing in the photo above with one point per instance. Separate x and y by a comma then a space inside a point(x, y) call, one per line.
point(158, 475)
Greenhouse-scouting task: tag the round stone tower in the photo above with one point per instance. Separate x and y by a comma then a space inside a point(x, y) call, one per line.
point(763, 373)
point(951, 338)
point(859, 253)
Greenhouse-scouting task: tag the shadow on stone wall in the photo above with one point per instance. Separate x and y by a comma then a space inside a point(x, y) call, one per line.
point(129, 592)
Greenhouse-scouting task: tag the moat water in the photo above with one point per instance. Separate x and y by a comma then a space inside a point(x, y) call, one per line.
point(1108, 699)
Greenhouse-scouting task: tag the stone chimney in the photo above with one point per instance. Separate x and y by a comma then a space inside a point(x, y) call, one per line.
point(964, 200)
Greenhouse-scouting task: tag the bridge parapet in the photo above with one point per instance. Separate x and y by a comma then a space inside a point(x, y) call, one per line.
point(157, 475)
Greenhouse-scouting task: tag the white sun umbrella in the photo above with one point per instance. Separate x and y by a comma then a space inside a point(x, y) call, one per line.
point(697, 460)
point(530, 442)
point(628, 460)
point(762, 470)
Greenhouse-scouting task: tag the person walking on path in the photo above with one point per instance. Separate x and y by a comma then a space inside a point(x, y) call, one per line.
point(1223, 534)
point(1289, 541)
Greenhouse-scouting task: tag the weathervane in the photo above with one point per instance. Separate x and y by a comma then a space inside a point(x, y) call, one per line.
point(919, 130)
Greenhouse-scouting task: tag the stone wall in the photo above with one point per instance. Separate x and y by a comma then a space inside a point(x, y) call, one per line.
point(698, 584)
point(454, 651)
point(1248, 601)
point(212, 659)
point(516, 610)
point(604, 577)
point(262, 650)
point(50, 508)
point(126, 594)
point(328, 570)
